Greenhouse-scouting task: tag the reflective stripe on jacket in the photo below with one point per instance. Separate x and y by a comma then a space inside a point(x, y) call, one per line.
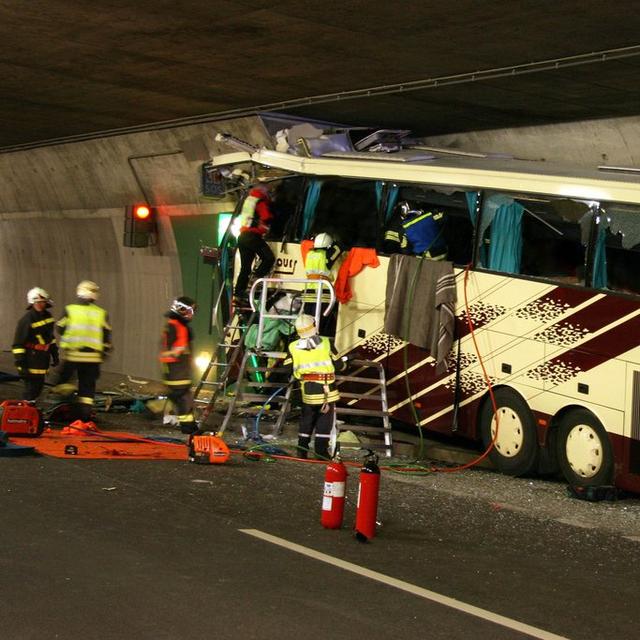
point(316, 267)
point(85, 332)
point(318, 360)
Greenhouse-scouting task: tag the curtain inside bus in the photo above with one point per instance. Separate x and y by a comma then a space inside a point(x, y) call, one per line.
point(392, 198)
point(502, 218)
point(310, 203)
point(600, 278)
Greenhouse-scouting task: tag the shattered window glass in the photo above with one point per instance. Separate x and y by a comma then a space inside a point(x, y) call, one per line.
point(553, 238)
point(622, 247)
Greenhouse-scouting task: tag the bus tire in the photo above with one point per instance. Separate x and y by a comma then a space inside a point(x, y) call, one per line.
point(585, 454)
point(515, 452)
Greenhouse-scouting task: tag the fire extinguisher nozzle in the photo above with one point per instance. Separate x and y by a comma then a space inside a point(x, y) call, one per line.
point(360, 537)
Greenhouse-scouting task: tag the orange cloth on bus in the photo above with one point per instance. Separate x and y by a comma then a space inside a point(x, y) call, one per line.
point(357, 259)
point(305, 247)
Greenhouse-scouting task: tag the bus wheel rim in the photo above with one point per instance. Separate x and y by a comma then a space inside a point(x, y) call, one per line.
point(584, 451)
point(510, 432)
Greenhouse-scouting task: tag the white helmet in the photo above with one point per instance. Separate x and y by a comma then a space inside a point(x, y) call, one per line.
point(88, 290)
point(184, 306)
point(305, 326)
point(38, 294)
point(322, 241)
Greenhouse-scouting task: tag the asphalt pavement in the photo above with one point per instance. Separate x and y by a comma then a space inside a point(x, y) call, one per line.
point(165, 549)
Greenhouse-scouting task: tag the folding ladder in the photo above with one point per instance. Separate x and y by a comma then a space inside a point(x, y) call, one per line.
point(261, 392)
point(375, 393)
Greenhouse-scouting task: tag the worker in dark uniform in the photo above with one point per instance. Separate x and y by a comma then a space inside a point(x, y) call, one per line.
point(315, 364)
point(34, 344)
point(176, 359)
point(317, 265)
point(85, 340)
point(255, 221)
point(415, 231)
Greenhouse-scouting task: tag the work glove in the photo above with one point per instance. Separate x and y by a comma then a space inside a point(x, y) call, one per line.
point(55, 360)
point(20, 366)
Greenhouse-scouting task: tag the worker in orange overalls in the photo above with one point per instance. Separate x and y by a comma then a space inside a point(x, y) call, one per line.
point(176, 359)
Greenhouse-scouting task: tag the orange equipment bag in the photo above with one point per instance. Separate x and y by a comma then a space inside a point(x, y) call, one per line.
point(20, 418)
point(208, 449)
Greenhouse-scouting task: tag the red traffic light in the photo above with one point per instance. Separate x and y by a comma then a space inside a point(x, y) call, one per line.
point(141, 211)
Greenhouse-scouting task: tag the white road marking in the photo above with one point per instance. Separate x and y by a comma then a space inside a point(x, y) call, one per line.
point(496, 618)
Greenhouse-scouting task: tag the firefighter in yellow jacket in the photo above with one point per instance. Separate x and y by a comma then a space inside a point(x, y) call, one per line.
point(315, 365)
point(34, 344)
point(85, 340)
point(317, 266)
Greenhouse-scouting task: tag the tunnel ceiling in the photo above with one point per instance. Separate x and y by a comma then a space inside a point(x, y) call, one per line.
point(72, 67)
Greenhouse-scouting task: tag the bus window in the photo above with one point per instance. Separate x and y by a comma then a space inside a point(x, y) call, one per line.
point(539, 237)
point(286, 199)
point(347, 210)
point(620, 237)
point(455, 229)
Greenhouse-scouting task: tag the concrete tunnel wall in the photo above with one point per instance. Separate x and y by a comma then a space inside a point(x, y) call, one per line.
point(62, 218)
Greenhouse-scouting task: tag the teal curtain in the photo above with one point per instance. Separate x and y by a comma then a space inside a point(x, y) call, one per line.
point(392, 198)
point(505, 249)
point(308, 213)
point(600, 278)
point(472, 203)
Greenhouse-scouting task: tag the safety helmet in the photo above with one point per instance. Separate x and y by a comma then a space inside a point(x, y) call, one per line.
point(37, 294)
point(184, 306)
point(322, 241)
point(405, 209)
point(88, 290)
point(305, 326)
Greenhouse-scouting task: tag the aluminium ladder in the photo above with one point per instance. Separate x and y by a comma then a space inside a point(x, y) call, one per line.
point(261, 392)
point(376, 393)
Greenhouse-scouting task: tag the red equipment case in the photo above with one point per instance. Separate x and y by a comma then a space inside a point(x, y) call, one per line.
point(20, 418)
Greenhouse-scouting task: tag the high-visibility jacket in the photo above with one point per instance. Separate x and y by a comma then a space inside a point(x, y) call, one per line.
point(176, 351)
point(317, 268)
point(34, 343)
point(256, 214)
point(85, 332)
point(424, 233)
point(314, 364)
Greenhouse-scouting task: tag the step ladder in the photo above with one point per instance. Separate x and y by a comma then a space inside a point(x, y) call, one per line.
point(213, 382)
point(375, 392)
point(260, 392)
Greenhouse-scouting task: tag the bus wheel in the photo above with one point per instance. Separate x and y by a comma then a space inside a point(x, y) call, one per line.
point(515, 451)
point(584, 451)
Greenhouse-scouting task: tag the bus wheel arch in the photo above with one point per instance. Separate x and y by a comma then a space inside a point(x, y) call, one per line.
point(584, 451)
point(516, 450)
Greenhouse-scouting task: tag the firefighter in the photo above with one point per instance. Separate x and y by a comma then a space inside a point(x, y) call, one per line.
point(424, 232)
point(85, 340)
point(417, 232)
point(255, 220)
point(177, 360)
point(314, 364)
point(34, 344)
point(318, 264)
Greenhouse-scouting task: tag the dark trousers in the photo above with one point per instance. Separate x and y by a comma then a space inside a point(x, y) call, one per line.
point(180, 394)
point(88, 374)
point(328, 323)
point(313, 420)
point(33, 385)
point(251, 245)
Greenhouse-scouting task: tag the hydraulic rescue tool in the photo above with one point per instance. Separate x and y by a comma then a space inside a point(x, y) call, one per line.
point(367, 507)
point(20, 418)
point(207, 448)
point(335, 481)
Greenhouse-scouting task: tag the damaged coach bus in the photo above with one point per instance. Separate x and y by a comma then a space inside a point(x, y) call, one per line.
point(547, 271)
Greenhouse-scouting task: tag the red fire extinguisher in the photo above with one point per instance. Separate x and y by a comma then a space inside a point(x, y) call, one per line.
point(335, 481)
point(367, 507)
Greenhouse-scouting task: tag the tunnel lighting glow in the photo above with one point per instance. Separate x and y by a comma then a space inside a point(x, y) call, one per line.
point(202, 360)
point(223, 223)
point(142, 212)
